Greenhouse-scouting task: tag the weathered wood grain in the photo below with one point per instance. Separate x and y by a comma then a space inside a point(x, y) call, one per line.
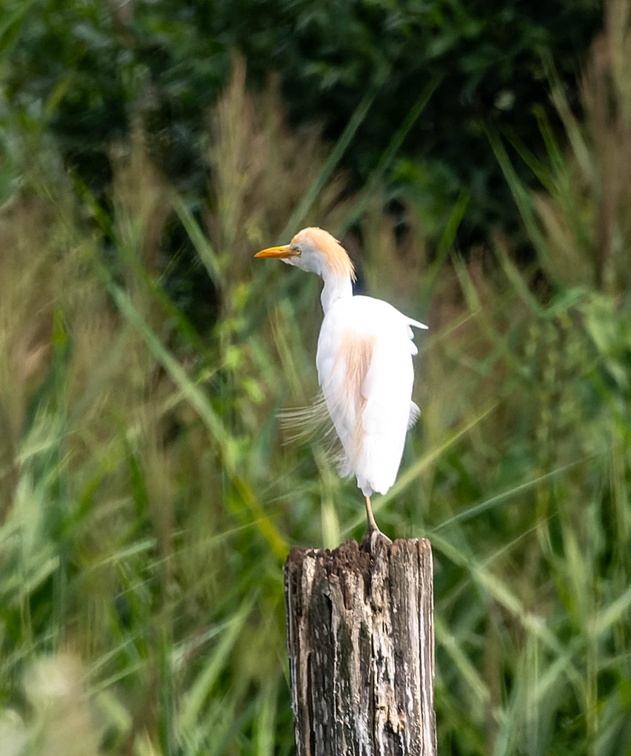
point(361, 648)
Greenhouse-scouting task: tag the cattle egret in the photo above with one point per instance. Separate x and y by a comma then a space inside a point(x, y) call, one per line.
point(364, 364)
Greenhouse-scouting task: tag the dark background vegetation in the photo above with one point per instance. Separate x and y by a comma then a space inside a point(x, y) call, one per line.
point(475, 159)
point(89, 69)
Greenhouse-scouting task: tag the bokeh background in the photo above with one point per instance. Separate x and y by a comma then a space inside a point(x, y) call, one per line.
point(475, 159)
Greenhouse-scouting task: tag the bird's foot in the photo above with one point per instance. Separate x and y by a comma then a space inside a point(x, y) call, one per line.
point(373, 537)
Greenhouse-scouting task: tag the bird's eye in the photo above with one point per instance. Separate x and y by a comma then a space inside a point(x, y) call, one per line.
point(297, 250)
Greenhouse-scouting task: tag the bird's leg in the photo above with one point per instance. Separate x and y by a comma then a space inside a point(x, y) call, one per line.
point(373, 540)
point(372, 524)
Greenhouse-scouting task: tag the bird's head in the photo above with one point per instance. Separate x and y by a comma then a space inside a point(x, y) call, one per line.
point(315, 251)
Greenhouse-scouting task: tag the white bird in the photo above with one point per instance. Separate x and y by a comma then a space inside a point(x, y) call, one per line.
point(364, 363)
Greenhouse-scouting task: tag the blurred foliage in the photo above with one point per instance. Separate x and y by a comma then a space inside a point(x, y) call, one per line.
point(88, 70)
point(147, 500)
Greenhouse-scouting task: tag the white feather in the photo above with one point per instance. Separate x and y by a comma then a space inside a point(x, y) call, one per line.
point(313, 423)
point(365, 370)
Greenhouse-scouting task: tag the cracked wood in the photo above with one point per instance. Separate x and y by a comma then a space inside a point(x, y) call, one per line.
point(361, 648)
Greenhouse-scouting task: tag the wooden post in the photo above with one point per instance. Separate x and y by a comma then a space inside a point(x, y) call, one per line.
point(360, 635)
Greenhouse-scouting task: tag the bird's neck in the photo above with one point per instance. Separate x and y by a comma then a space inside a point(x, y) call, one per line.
point(335, 287)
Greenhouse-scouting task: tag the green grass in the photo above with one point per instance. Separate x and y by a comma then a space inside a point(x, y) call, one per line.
point(148, 499)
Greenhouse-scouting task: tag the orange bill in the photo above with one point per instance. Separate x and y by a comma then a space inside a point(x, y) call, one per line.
point(283, 251)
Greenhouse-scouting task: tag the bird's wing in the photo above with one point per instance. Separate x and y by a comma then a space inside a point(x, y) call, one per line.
point(366, 375)
point(417, 324)
point(388, 411)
